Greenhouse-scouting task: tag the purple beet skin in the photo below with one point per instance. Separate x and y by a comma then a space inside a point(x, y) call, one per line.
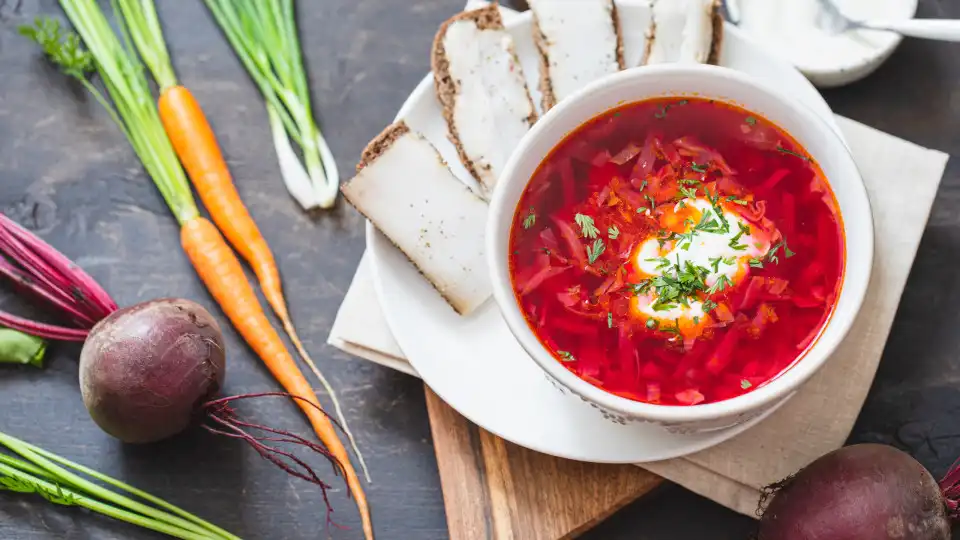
point(146, 369)
point(861, 492)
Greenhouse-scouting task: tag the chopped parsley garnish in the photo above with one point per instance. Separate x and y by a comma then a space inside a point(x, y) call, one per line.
point(652, 324)
point(783, 150)
point(745, 384)
point(709, 305)
point(751, 121)
point(722, 283)
point(642, 185)
point(715, 263)
point(689, 181)
point(735, 241)
point(566, 356)
point(545, 250)
point(613, 232)
point(772, 254)
point(594, 251)
point(662, 262)
point(696, 320)
point(735, 200)
point(672, 329)
point(662, 113)
point(530, 219)
point(587, 227)
point(756, 263)
point(697, 167)
point(641, 288)
point(609, 320)
point(653, 203)
point(690, 193)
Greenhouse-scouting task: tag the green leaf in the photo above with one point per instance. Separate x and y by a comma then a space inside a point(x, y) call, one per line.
point(566, 356)
point(587, 228)
point(613, 232)
point(19, 348)
point(530, 220)
point(594, 251)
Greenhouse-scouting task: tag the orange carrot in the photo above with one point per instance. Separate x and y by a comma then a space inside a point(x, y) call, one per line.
point(196, 146)
point(221, 272)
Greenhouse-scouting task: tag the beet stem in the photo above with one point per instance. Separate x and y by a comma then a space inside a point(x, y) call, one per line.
point(950, 488)
point(41, 330)
point(26, 283)
point(47, 274)
point(91, 291)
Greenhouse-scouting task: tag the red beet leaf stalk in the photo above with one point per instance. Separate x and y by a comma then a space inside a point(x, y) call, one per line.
point(39, 271)
point(950, 488)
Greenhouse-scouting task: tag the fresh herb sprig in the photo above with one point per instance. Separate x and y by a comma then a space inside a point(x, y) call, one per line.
point(588, 228)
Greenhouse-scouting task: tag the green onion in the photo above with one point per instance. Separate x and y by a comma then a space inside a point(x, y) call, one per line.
point(29, 469)
point(263, 35)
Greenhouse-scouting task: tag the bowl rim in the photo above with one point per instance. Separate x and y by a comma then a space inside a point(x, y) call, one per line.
point(780, 387)
point(872, 61)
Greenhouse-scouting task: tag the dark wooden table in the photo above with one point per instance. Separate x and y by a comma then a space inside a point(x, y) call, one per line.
point(66, 172)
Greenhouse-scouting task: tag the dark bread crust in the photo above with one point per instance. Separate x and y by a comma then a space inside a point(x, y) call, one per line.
point(549, 98)
point(717, 42)
point(382, 142)
point(447, 89)
point(374, 149)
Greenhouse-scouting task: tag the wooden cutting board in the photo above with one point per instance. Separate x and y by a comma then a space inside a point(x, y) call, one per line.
point(495, 490)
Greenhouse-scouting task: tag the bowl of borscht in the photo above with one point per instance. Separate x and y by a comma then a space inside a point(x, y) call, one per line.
point(680, 244)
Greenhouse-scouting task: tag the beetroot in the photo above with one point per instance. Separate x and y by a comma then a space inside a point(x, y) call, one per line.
point(145, 369)
point(861, 492)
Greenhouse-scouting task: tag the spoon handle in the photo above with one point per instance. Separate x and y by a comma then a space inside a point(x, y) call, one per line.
point(940, 29)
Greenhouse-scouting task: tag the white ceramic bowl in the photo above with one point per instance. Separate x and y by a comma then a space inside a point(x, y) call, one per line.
point(832, 70)
point(709, 82)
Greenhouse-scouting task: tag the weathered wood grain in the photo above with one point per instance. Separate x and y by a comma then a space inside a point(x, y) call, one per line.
point(496, 490)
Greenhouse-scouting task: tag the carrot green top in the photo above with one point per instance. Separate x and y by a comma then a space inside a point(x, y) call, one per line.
point(147, 35)
point(130, 103)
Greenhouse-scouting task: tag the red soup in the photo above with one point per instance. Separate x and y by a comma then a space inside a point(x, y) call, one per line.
point(677, 251)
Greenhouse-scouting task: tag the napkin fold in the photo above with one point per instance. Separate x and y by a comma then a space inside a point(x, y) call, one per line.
point(820, 417)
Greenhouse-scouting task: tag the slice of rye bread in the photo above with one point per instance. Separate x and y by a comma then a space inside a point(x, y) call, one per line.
point(448, 88)
point(549, 97)
point(455, 271)
point(716, 39)
point(382, 142)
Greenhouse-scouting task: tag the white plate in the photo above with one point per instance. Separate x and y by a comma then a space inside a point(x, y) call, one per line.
point(474, 363)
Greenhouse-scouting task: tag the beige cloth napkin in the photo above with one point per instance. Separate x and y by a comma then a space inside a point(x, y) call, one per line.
point(819, 418)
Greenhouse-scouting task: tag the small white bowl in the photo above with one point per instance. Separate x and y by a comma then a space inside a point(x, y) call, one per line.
point(828, 61)
point(722, 84)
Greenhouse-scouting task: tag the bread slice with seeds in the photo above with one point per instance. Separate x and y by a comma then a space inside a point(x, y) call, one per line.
point(481, 87)
point(410, 195)
point(579, 41)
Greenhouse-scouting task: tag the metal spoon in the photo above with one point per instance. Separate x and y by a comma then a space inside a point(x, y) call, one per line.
point(831, 19)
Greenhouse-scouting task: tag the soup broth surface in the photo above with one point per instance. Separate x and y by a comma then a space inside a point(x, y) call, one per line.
point(677, 251)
